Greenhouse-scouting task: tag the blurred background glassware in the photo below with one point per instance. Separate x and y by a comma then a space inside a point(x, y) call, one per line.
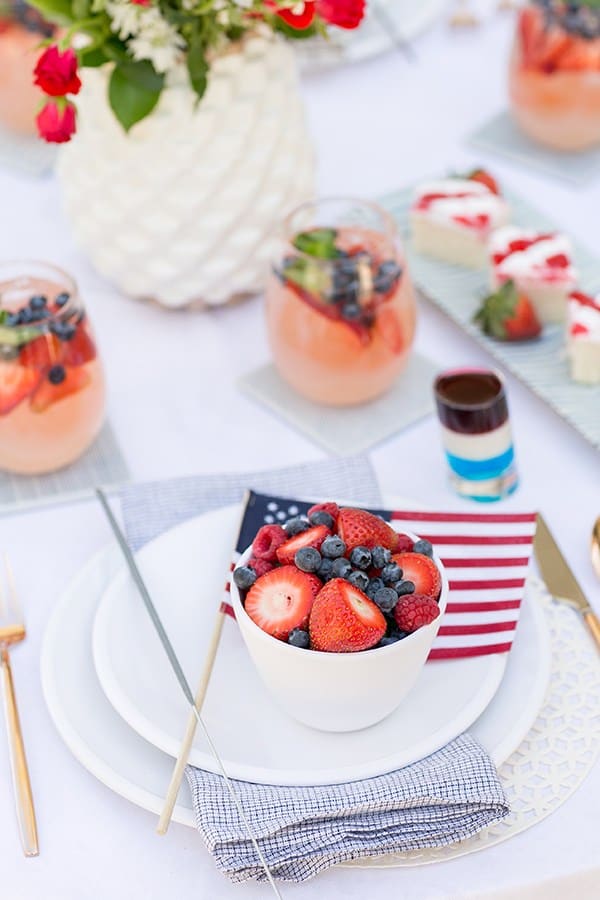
point(52, 392)
point(554, 79)
point(476, 434)
point(340, 305)
point(22, 29)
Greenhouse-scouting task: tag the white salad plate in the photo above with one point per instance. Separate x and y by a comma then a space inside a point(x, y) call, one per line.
point(185, 571)
point(136, 770)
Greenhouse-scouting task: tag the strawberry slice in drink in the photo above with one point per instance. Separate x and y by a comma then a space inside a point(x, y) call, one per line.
point(58, 384)
point(80, 349)
point(16, 383)
point(282, 600)
point(312, 537)
point(344, 620)
point(423, 573)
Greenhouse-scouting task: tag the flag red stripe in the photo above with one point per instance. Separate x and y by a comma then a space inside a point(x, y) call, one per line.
point(486, 585)
point(489, 563)
point(478, 540)
point(404, 515)
point(458, 652)
point(488, 628)
point(227, 610)
point(486, 606)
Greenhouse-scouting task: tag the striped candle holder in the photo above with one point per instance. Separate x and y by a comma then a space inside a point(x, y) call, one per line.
point(476, 433)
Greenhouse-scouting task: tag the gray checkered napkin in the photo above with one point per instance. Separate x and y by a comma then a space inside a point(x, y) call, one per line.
point(447, 797)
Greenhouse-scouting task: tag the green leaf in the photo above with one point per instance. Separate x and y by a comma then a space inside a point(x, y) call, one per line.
point(93, 57)
point(319, 242)
point(133, 91)
point(197, 67)
point(310, 276)
point(81, 9)
point(59, 11)
point(297, 34)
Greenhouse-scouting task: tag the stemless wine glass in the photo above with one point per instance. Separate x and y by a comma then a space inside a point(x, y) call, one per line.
point(340, 305)
point(554, 77)
point(51, 382)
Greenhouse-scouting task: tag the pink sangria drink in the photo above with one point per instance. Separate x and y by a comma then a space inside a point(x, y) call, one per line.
point(340, 305)
point(22, 30)
point(555, 73)
point(51, 382)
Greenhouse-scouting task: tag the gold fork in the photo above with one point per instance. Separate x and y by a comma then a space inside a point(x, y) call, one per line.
point(12, 631)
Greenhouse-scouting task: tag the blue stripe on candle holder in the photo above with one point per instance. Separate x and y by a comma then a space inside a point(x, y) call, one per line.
point(481, 469)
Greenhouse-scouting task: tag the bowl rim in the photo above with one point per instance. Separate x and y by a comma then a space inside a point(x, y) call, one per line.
point(238, 607)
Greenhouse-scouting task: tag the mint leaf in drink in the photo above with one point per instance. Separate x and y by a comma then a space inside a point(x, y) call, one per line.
point(319, 242)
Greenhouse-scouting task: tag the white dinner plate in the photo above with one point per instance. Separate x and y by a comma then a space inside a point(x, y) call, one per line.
point(111, 751)
point(184, 570)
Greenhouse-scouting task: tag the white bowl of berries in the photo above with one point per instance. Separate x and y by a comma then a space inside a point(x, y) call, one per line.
point(338, 612)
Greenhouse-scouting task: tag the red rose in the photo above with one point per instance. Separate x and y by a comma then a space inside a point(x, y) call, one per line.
point(343, 13)
point(56, 72)
point(56, 124)
point(296, 15)
point(141, 2)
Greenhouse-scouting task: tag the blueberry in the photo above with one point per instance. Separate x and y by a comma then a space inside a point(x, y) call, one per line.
point(57, 375)
point(244, 577)
point(391, 573)
point(423, 547)
point(386, 599)
point(12, 319)
point(375, 584)
point(392, 638)
point(25, 316)
point(359, 579)
point(404, 587)
point(320, 517)
point(65, 331)
point(61, 299)
point(296, 525)
point(341, 568)
point(351, 311)
point(333, 546)
point(307, 559)
point(299, 638)
point(38, 302)
point(325, 570)
point(387, 275)
point(381, 556)
point(38, 315)
point(361, 557)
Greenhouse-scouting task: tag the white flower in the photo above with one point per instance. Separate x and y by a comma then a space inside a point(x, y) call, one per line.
point(151, 36)
point(125, 17)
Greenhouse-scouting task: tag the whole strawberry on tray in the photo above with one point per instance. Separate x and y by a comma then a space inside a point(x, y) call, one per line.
point(338, 580)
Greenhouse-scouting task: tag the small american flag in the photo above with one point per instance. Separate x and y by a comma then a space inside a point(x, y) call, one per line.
point(486, 556)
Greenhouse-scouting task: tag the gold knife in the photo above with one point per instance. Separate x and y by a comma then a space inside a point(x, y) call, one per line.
point(559, 578)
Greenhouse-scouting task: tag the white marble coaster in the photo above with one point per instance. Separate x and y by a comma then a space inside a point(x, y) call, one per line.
point(353, 429)
point(502, 136)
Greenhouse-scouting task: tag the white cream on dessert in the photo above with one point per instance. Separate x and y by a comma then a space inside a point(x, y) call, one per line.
point(460, 203)
point(583, 337)
point(584, 317)
point(522, 254)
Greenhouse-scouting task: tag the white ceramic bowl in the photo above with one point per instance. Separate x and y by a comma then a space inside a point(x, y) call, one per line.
point(338, 691)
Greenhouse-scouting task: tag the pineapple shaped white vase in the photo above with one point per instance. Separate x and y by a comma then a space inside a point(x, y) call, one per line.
point(183, 209)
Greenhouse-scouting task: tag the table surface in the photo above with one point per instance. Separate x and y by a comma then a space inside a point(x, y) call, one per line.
point(176, 410)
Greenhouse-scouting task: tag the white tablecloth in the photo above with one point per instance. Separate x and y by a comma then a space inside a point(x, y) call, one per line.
point(176, 410)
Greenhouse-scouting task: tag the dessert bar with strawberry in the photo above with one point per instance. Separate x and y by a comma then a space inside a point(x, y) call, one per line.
point(339, 580)
point(583, 337)
point(508, 315)
point(539, 263)
point(453, 218)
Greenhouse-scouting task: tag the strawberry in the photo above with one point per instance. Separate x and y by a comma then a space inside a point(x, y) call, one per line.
point(312, 537)
point(16, 383)
point(554, 43)
point(267, 540)
point(579, 56)
point(484, 177)
point(422, 571)
point(359, 528)
point(42, 352)
point(343, 619)
point(80, 349)
point(415, 610)
point(331, 508)
point(387, 323)
point(282, 600)
point(260, 566)
point(49, 393)
point(530, 29)
point(508, 315)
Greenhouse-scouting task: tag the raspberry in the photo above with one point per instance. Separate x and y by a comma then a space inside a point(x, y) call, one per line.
point(405, 544)
point(267, 540)
point(415, 610)
point(260, 566)
point(331, 508)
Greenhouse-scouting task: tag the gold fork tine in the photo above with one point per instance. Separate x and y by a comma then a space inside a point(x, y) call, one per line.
point(12, 631)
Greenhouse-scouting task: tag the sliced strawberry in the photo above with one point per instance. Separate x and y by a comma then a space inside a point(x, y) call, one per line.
point(422, 571)
point(530, 29)
point(312, 537)
point(558, 261)
point(359, 528)
point(508, 315)
point(80, 349)
point(415, 610)
point(16, 383)
point(331, 508)
point(484, 177)
point(344, 620)
point(579, 56)
point(48, 394)
point(555, 42)
point(42, 352)
point(584, 299)
point(267, 540)
point(282, 600)
point(387, 323)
